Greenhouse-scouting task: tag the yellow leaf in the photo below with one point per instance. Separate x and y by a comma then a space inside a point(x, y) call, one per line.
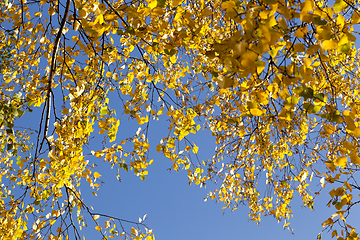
point(355, 18)
point(134, 231)
point(173, 59)
point(330, 165)
point(340, 161)
point(175, 3)
point(107, 224)
point(99, 19)
point(348, 186)
point(76, 25)
point(329, 128)
point(348, 145)
point(347, 113)
point(75, 38)
point(329, 44)
point(329, 221)
point(65, 111)
point(266, 33)
point(159, 148)
point(356, 132)
point(312, 49)
point(102, 124)
point(339, 5)
point(82, 13)
point(110, 17)
point(350, 123)
point(260, 66)
point(97, 154)
point(341, 216)
point(354, 158)
point(282, 23)
point(228, 6)
point(152, 4)
point(286, 224)
point(51, 10)
point(256, 112)
point(307, 6)
point(52, 221)
point(300, 33)
point(96, 217)
point(263, 97)
point(142, 120)
point(339, 205)
point(158, 11)
point(334, 233)
point(195, 149)
point(306, 17)
point(224, 82)
point(299, 47)
point(273, 53)
point(98, 228)
point(274, 89)
point(97, 175)
point(344, 39)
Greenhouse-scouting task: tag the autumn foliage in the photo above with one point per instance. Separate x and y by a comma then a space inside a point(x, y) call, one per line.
point(275, 82)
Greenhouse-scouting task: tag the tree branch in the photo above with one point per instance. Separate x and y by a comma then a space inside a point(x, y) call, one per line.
point(53, 66)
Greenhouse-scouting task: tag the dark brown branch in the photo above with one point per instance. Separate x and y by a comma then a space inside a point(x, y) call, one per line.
point(53, 66)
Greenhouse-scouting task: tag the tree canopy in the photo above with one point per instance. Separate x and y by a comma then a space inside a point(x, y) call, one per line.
point(275, 82)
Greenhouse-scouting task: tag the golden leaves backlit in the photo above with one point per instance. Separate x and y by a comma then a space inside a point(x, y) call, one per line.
point(275, 85)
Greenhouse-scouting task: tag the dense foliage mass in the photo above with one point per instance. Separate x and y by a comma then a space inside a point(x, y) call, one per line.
point(274, 81)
